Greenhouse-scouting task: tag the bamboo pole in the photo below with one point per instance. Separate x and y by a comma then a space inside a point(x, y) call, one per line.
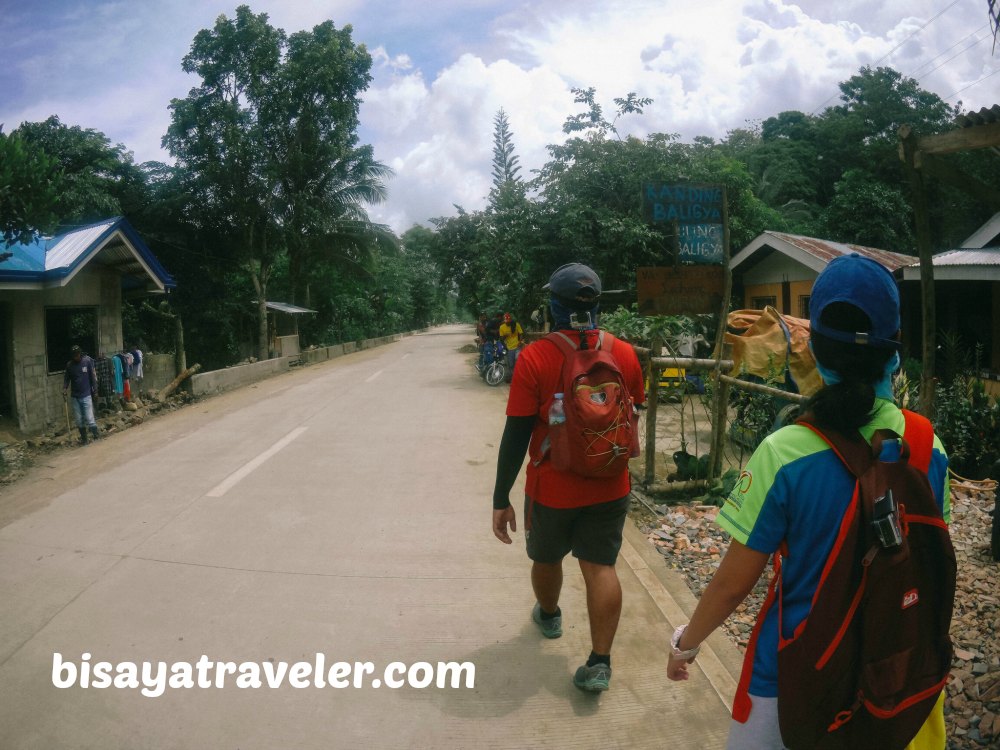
point(765, 389)
point(720, 395)
point(652, 399)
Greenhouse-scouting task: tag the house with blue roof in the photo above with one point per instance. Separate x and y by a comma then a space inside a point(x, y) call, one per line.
point(60, 291)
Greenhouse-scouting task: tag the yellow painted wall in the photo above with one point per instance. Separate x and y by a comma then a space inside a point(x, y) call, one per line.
point(798, 289)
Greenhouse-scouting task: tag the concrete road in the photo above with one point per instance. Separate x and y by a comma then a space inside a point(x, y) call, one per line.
point(341, 509)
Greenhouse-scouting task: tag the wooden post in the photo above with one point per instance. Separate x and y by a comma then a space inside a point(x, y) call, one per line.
point(909, 155)
point(652, 398)
point(720, 393)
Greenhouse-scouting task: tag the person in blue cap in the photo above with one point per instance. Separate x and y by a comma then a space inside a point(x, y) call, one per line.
point(794, 490)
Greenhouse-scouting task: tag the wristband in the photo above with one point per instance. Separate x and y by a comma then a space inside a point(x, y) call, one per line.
point(675, 651)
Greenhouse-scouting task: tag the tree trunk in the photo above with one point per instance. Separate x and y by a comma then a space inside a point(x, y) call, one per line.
point(260, 286)
point(921, 216)
point(184, 375)
point(180, 356)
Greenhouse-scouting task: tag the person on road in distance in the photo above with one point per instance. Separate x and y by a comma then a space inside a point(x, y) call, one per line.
point(511, 333)
point(563, 512)
point(795, 490)
point(481, 340)
point(80, 382)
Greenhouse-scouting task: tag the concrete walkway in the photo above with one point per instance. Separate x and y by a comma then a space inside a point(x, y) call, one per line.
point(341, 509)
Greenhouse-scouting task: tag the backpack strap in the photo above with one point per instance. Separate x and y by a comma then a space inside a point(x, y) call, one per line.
point(920, 435)
point(855, 453)
point(742, 702)
point(567, 346)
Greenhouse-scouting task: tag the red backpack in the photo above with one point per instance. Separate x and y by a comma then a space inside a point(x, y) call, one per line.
point(866, 667)
point(600, 433)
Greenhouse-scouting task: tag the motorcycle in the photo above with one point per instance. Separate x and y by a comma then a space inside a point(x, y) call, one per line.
point(494, 362)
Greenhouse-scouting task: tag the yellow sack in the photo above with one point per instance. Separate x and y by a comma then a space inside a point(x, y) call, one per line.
point(765, 342)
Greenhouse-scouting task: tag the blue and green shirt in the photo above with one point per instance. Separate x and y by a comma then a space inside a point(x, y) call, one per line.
point(796, 490)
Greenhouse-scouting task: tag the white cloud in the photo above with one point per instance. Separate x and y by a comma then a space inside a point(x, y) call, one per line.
point(442, 71)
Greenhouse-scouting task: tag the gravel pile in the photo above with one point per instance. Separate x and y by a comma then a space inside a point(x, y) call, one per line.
point(691, 543)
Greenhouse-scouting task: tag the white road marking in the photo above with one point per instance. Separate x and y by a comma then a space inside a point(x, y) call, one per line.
point(229, 482)
point(374, 375)
point(406, 355)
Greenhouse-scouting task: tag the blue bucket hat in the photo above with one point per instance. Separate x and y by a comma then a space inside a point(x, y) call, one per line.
point(867, 285)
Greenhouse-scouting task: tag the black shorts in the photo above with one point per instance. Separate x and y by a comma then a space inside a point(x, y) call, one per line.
point(592, 533)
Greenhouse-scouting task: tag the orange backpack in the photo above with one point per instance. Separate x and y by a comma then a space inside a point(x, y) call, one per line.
point(600, 433)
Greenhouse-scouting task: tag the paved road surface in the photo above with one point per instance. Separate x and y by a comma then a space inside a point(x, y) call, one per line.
point(343, 509)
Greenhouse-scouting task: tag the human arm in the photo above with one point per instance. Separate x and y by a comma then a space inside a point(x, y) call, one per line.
point(92, 372)
point(739, 571)
point(513, 447)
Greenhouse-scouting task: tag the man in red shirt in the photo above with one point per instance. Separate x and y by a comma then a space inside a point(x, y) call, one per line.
point(565, 512)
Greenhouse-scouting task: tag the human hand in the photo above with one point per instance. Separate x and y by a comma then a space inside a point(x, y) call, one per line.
point(677, 669)
point(501, 518)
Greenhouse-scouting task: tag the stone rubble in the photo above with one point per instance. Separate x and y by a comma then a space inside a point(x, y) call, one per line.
point(693, 544)
point(16, 458)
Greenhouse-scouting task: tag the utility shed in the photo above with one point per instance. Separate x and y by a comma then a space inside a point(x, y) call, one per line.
point(65, 290)
point(967, 292)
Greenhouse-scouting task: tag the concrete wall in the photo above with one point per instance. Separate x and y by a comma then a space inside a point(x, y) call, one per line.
point(158, 371)
point(38, 394)
point(217, 381)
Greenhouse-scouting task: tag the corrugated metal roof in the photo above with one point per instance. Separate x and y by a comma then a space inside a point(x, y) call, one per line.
point(69, 247)
point(983, 117)
point(985, 256)
point(827, 250)
point(287, 308)
point(55, 261)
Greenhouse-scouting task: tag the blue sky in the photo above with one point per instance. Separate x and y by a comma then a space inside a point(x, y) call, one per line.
point(444, 67)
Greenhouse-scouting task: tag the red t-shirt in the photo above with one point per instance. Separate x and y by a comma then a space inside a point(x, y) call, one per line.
point(537, 378)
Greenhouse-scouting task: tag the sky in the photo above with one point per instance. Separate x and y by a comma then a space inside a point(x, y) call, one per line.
point(443, 68)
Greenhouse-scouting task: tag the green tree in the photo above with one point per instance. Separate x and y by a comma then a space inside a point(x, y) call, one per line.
point(99, 180)
point(505, 161)
point(269, 138)
point(866, 211)
point(30, 183)
point(327, 179)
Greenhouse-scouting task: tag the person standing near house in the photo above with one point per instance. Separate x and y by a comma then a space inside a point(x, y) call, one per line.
point(565, 512)
point(80, 382)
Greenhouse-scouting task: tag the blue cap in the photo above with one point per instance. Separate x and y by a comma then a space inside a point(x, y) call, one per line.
point(867, 285)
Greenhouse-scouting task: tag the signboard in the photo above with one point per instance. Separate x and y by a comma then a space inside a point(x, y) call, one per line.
point(701, 243)
point(681, 290)
point(687, 204)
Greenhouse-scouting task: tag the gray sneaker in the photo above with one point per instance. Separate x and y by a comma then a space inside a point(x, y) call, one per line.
point(550, 628)
point(593, 679)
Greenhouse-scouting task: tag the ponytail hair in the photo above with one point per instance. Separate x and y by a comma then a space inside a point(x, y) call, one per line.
point(846, 406)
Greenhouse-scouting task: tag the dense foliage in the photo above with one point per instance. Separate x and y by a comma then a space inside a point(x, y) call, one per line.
point(267, 199)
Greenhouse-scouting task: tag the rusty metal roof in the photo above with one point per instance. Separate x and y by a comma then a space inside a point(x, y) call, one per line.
point(827, 250)
point(816, 252)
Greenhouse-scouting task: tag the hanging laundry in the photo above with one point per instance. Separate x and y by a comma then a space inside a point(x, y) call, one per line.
point(119, 369)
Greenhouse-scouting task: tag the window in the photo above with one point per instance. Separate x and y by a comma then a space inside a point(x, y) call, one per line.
point(65, 326)
point(804, 306)
point(759, 303)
